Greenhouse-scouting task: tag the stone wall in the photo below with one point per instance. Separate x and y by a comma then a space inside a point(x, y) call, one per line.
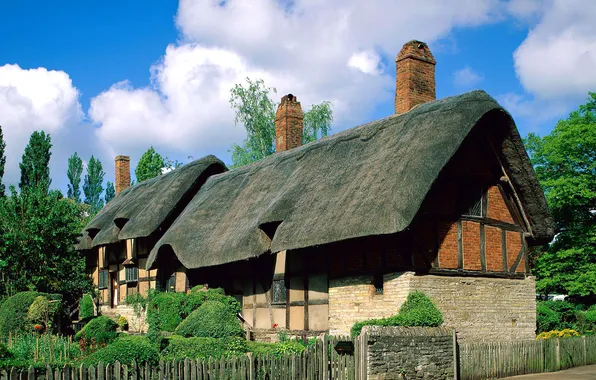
point(410, 353)
point(478, 308)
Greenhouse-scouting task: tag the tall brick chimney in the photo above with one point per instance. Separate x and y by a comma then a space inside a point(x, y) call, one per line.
point(415, 76)
point(288, 124)
point(122, 173)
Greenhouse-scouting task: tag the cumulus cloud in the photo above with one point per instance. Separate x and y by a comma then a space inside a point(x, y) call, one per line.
point(365, 61)
point(31, 100)
point(466, 78)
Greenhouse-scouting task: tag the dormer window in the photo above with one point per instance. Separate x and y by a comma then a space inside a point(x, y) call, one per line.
point(472, 202)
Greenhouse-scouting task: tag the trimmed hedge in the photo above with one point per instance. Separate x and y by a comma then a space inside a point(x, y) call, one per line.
point(418, 310)
point(86, 307)
point(99, 331)
point(276, 349)
point(13, 312)
point(203, 348)
point(126, 350)
point(212, 319)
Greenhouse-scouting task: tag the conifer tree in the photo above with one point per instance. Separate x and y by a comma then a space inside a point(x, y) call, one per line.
point(93, 184)
point(35, 164)
point(74, 173)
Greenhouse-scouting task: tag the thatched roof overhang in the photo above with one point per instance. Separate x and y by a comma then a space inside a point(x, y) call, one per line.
point(369, 180)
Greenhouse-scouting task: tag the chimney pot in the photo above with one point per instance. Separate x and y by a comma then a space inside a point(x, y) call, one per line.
point(415, 76)
point(122, 173)
point(288, 124)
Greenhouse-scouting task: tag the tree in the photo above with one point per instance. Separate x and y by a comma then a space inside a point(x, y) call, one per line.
point(565, 163)
point(74, 172)
point(2, 163)
point(93, 185)
point(110, 192)
point(35, 164)
point(150, 165)
point(256, 111)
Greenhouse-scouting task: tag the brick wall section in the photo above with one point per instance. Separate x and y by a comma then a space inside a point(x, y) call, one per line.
point(490, 309)
point(122, 173)
point(288, 124)
point(416, 352)
point(448, 247)
point(471, 245)
point(497, 209)
point(353, 299)
point(494, 251)
point(415, 76)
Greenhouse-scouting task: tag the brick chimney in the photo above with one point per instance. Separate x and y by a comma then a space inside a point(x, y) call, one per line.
point(122, 173)
point(288, 124)
point(415, 76)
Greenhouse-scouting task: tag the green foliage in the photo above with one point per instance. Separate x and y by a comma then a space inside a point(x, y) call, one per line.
point(126, 350)
point(42, 311)
point(74, 173)
point(13, 313)
point(203, 348)
point(275, 349)
point(563, 315)
point(565, 163)
point(256, 111)
point(566, 333)
point(86, 309)
point(4, 353)
point(547, 319)
point(150, 165)
point(122, 322)
point(110, 192)
point(2, 163)
point(35, 163)
point(98, 332)
point(166, 310)
point(35, 349)
point(38, 233)
point(212, 319)
point(418, 310)
point(93, 185)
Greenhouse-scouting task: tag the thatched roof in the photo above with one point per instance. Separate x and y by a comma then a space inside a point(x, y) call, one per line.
point(141, 210)
point(369, 180)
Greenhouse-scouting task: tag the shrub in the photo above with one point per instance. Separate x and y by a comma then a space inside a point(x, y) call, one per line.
point(122, 322)
point(418, 310)
point(275, 349)
point(42, 311)
point(98, 332)
point(13, 312)
point(126, 350)
point(4, 353)
point(86, 308)
point(166, 310)
point(565, 333)
point(203, 348)
point(212, 320)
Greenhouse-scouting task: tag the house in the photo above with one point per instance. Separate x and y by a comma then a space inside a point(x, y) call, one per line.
point(439, 197)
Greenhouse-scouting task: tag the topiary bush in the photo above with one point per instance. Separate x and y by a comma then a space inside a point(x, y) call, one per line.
point(13, 313)
point(86, 309)
point(98, 332)
point(166, 310)
point(126, 350)
point(203, 348)
point(212, 320)
point(418, 310)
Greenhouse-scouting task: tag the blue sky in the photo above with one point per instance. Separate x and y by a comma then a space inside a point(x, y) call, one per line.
point(114, 77)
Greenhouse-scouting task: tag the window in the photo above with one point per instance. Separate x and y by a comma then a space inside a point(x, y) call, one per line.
point(132, 274)
point(378, 283)
point(171, 283)
point(473, 201)
point(103, 279)
point(279, 291)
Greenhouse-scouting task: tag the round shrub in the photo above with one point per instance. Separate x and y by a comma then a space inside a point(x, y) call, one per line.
point(203, 348)
point(86, 307)
point(166, 310)
point(13, 312)
point(99, 331)
point(212, 320)
point(126, 350)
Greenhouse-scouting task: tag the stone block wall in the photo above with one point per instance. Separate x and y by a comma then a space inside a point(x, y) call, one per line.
point(478, 308)
point(410, 353)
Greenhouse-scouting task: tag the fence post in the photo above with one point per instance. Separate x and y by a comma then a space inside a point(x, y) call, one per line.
point(251, 367)
point(585, 350)
point(558, 354)
point(455, 358)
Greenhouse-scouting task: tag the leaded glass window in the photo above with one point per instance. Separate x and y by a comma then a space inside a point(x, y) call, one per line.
point(279, 291)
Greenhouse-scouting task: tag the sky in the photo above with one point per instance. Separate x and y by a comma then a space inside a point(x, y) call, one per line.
point(110, 77)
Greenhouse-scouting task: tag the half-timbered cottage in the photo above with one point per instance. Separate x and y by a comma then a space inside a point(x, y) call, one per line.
point(439, 197)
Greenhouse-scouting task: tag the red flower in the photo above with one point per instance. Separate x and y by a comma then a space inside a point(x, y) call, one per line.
point(275, 325)
point(37, 327)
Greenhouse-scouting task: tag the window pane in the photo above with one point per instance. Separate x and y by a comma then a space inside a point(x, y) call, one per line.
point(279, 291)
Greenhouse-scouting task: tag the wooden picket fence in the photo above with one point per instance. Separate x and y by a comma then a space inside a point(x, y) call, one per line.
point(320, 361)
point(501, 359)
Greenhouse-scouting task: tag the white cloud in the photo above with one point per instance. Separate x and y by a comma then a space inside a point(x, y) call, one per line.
point(558, 58)
point(31, 100)
point(466, 78)
point(365, 61)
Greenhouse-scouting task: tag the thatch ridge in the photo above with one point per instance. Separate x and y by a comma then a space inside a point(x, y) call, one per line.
point(368, 180)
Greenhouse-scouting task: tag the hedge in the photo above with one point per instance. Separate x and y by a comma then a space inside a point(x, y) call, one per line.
point(86, 308)
point(126, 350)
point(203, 348)
point(13, 311)
point(99, 331)
point(276, 349)
point(212, 319)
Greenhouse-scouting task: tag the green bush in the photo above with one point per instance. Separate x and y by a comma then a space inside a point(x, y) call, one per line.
point(4, 353)
point(126, 350)
point(556, 315)
point(275, 349)
point(203, 348)
point(86, 307)
point(167, 310)
point(212, 319)
point(13, 313)
point(418, 310)
point(98, 332)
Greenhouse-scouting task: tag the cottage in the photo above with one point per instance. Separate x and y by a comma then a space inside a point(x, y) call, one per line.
point(439, 197)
